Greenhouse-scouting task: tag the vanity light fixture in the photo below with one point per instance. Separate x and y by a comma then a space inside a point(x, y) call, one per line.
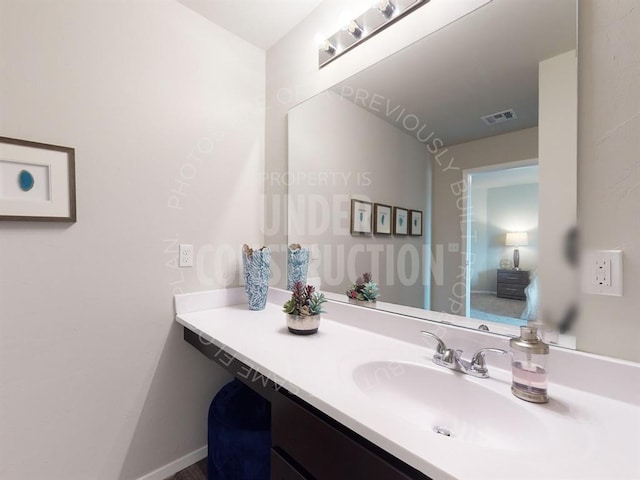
point(355, 29)
point(328, 47)
point(379, 16)
point(386, 7)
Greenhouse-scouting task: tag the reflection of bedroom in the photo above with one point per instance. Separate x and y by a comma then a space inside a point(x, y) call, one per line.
point(503, 200)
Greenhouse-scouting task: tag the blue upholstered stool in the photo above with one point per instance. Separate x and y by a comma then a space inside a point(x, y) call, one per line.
point(239, 435)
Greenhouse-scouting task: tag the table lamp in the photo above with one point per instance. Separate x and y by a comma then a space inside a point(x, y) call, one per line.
point(516, 239)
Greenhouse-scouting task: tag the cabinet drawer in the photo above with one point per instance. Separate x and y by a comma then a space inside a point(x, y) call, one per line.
point(511, 291)
point(325, 450)
point(283, 470)
point(517, 277)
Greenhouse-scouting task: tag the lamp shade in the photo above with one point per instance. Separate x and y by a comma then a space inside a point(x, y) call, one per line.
point(516, 239)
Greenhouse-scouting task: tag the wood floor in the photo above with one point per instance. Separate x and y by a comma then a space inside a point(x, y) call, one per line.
point(197, 471)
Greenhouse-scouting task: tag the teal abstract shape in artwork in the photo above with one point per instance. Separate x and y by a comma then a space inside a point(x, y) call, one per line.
point(25, 180)
point(401, 221)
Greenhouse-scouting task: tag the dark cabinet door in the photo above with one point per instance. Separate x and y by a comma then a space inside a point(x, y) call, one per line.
point(283, 470)
point(326, 450)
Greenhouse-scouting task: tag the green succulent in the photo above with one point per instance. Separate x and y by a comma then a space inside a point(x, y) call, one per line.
point(304, 301)
point(364, 289)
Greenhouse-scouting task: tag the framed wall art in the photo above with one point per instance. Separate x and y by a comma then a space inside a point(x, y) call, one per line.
point(37, 181)
point(382, 219)
point(415, 223)
point(400, 221)
point(360, 217)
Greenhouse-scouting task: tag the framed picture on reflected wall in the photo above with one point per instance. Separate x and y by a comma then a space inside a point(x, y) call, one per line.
point(400, 221)
point(360, 217)
point(415, 222)
point(37, 181)
point(383, 216)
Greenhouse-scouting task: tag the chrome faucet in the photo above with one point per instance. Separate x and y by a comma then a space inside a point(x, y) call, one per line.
point(452, 359)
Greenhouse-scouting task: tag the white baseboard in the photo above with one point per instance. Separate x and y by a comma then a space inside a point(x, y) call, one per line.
point(177, 465)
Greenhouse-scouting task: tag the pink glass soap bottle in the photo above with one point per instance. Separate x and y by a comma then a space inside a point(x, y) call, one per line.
point(528, 366)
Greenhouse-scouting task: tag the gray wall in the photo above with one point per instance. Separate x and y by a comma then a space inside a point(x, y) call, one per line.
point(96, 381)
point(357, 155)
point(448, 212)
point(608, 168)
point(496, 211)
point(510, 208)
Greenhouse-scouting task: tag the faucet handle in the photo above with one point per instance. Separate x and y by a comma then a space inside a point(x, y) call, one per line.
point(477, 361)
point(441, 348)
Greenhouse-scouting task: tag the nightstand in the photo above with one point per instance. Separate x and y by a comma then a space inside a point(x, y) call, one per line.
point(511, 283)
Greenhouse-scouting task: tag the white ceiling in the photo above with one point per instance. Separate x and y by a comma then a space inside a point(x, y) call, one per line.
point(260, 22)
point(481, 64)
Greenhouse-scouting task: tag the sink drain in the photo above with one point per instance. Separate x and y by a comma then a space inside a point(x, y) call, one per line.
point(443, 431)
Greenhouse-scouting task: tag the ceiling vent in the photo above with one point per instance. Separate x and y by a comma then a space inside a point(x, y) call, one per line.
point(499, 117)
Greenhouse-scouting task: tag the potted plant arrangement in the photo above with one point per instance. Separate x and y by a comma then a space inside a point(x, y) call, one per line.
point(303, 309)
point(364, 292)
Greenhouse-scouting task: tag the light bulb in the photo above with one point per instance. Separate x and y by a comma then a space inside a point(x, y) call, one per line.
point(354, 29)
point(386, 7)
point(328, 47)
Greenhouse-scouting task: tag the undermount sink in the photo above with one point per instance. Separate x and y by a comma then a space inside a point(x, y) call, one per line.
point(446, 403)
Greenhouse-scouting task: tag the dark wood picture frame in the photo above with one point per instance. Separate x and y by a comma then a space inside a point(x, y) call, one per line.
point(361, 215)
point(378, 224)
point(9, 205)
point(415, 231)
point(400, 221)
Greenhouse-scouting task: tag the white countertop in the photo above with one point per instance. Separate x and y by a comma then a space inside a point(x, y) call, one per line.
point(600, 436)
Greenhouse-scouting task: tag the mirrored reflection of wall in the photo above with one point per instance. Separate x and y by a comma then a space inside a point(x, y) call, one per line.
point(448, 223)
point(496, 211)
point(339, 151)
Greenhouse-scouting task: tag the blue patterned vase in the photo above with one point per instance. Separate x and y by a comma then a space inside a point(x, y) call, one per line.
point(297, 266)
point(257, 270)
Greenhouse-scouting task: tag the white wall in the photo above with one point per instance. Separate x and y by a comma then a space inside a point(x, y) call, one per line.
point(608, 168)
point(448, 209)
point(339, 151)
point(558, 163)
point(512, 208)
point(508, 208)
point(95, 379)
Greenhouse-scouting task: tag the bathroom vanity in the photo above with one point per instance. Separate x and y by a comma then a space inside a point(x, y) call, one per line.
point(363, 399)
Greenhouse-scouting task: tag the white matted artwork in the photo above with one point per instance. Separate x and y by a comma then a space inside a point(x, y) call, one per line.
point(360, 217)
point(383, 217)
point(400, 221)
point(415, 220)
point(37, 181)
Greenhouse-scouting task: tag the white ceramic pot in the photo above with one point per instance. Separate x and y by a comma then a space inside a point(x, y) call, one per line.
point(303, 324)
point(366, 303)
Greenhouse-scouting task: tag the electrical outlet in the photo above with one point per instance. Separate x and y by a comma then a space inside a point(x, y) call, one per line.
point(603, 272)
point(454, 247)
point(185, 258)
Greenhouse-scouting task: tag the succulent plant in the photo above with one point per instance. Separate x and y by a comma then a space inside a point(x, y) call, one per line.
point(364, 289)
point(304, 301)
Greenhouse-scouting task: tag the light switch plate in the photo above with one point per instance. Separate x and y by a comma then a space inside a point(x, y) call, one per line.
point(454, 247)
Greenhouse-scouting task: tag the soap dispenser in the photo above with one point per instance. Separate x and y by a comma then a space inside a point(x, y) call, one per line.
point(528, 366)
